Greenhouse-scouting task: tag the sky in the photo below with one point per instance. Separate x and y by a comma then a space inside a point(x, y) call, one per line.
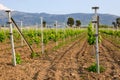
point(63, 6)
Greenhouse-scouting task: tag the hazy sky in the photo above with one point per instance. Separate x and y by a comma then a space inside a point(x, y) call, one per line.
point(63, 6)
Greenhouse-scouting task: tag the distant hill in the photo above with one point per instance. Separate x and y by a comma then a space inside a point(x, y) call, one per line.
point(33, 18)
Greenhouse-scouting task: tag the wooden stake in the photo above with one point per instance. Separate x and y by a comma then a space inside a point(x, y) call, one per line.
point(22, 35)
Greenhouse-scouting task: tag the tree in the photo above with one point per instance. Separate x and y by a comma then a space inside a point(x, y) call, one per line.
point(44, 24)
point(78, 23)
point(118, 22)
point(54, 24)
point(114, 24)
point(70, 21)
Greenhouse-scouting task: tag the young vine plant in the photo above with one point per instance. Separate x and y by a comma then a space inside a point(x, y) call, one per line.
point(91, 37)
point(2, 36)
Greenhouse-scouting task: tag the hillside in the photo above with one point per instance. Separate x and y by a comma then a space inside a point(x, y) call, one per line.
point(33, 18)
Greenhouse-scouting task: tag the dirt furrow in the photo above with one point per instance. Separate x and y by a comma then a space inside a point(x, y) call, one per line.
point(66, 67)
point(110, 59)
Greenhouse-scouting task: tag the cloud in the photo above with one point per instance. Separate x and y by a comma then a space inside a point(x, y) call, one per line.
point(2, 7)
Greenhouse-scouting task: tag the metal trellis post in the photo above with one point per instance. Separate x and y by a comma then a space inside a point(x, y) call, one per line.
point(11, 37)
point(96, 35)
point(56, 25)
point(42, 35)
point(21, 24)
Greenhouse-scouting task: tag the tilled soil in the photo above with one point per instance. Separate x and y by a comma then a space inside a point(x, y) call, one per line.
point(66, 63)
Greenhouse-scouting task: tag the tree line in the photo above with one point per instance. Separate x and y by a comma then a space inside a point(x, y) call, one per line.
point(70, 23)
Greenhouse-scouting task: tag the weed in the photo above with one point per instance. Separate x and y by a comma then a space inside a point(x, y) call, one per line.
point(18, 59)
point(33, 55)
point(93, 68)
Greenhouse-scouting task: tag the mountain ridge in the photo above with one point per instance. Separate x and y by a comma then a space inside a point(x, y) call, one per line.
point(33, 18)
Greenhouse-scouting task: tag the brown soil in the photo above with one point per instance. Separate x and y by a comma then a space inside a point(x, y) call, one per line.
point(66, 63)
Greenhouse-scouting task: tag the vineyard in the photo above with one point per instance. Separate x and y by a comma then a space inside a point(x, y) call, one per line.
point(67, 55)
